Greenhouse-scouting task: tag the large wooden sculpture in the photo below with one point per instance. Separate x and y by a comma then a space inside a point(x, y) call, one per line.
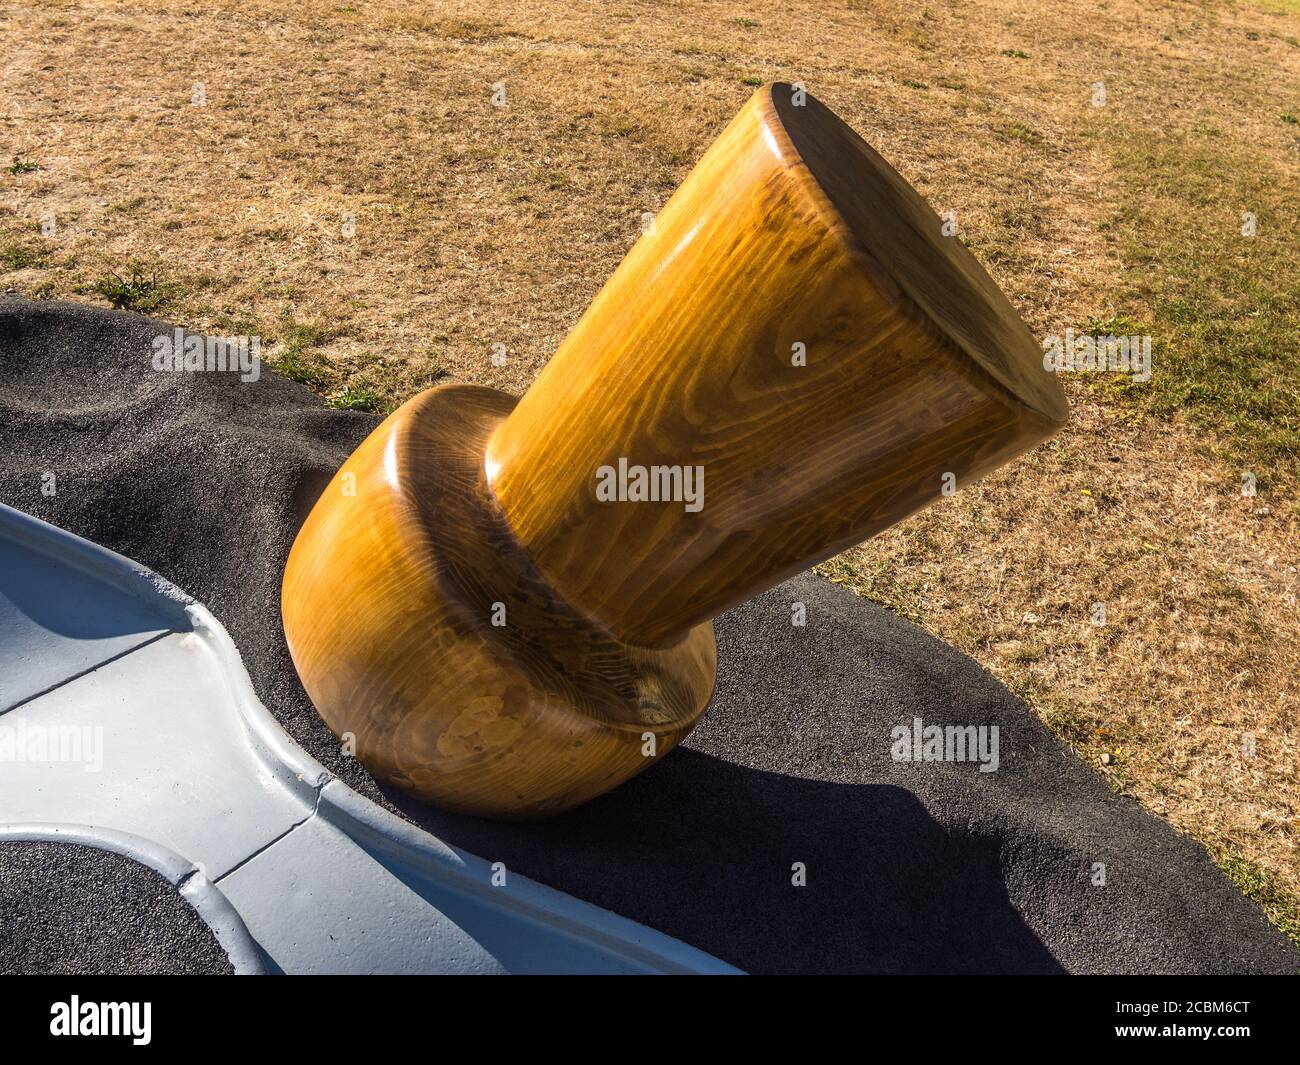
point(506, 603)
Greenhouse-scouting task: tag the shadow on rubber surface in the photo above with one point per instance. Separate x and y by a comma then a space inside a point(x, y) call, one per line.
point(704, 847)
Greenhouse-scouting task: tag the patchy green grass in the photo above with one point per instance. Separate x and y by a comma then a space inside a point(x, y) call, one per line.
point(299, 336)
point(236, 323)
point(297, 359)
point(1280, 905)
point(301, 368)
point(137, 291)
point(1020, 132)
point(356, 398)
point(18, 257)
point(23, 166)
point(1220, 304)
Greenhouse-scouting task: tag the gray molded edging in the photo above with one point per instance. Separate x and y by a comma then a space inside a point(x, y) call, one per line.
point(402, 879)
point(293, 766)
point(98, 562)
point(640, 948)
point(428, 856)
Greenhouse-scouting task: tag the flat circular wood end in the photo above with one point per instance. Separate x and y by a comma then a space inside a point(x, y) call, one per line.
point(901, 242)
point(426, 638)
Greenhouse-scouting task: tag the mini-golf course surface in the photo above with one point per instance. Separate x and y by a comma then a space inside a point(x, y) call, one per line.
point(911, 867)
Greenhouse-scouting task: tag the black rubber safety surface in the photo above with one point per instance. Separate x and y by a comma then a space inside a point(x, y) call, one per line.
point(921, 866)
point(68, 909)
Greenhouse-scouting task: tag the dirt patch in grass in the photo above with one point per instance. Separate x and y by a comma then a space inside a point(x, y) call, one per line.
point(336, 179)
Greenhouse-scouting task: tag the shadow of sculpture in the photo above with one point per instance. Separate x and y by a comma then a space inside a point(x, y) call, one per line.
point(704, 849)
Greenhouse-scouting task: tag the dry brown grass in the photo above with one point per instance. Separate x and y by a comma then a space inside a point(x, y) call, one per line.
point(477, 225)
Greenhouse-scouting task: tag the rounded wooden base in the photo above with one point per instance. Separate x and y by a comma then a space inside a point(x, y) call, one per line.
point(438, 654)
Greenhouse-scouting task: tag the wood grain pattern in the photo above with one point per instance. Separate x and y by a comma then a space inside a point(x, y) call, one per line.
point(789, 232)
point(389, 599)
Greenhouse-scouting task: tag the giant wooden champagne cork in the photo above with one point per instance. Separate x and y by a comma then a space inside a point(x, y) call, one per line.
point(510, 609)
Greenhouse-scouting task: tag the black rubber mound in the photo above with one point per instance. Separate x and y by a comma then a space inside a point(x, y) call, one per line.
point(910, 867)
point(68, 909)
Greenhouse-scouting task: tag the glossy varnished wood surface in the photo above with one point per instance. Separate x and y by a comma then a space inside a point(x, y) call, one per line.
point(389, 599)
point(789, 230)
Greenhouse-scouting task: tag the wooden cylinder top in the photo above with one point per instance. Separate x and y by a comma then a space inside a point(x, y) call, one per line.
point(794, 352)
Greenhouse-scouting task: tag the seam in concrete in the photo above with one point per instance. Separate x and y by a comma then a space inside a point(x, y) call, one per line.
point(86, 672)
point(270, 843)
